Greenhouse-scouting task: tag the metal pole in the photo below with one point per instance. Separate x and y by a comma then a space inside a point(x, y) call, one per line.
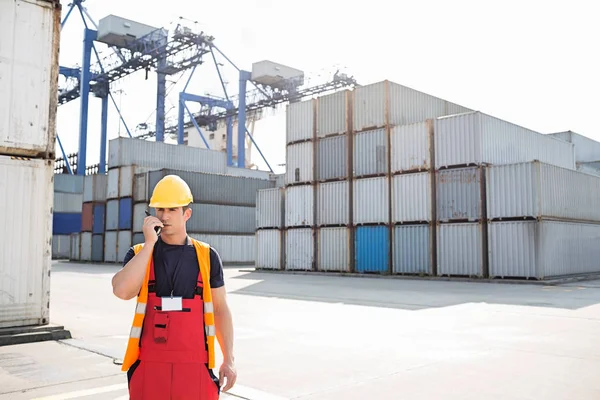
point(67, 16)
point(241, 158)
point(197, 127)
point(229, 141)
point(160, 99)
point(219, 72)
point(180, 119)
point(260, 152)
point(103, 135)
point(88, 40)
point(62, 150)
point(119, 112)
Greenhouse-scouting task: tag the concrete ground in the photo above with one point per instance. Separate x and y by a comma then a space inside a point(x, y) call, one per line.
point(331, 338)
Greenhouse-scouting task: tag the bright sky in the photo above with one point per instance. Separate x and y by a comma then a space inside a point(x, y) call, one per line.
point(533, 63)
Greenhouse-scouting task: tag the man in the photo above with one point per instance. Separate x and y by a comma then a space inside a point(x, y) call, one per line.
point(181, 306)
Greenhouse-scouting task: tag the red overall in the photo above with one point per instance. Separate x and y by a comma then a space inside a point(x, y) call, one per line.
point(173, 356)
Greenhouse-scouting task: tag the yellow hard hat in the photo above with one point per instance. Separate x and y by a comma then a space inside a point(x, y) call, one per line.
point(171, 192)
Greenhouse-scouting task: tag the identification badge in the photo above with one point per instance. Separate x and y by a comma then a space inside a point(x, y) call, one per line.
point(171, 304)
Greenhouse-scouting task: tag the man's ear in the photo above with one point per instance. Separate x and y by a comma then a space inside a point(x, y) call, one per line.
point(188, 213)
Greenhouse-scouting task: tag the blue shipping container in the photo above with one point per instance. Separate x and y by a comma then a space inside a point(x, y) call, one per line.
point(98, 225)
point(98, 248)
point(66, 223)
point(372, 248)
point(125, 213)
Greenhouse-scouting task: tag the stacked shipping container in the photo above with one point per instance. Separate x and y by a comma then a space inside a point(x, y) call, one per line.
point(67, 214)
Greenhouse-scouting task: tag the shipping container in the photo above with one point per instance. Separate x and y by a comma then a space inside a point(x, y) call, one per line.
point(540, 190)
point(139, 215)
point(97, 248)
point(370, 153)
point(29, 46)
point(67, 183)
point(112, 189)
point(66, 223)
point(68, 202)
point(99, 217)
point(544, 249)
point(112, 215)
point(233, 249)
point(333, 113)
point(411, 198)
point(371, 201)
point(123, 245)
point(476, 138)
point(280, 180)
point(460, 194)
point(299, 249)
point(140, 188)
point(269, 248)
point(460, 249)
point(586, 149)
point(138, 238)
point(86, 246)
point(588, 168)
point(126, 175)
point(215, 189)
point(300, 121)
point(299, 205)
point(413, 249)
point(95, 188)
point(75, 247)
point(151, 154)
point(248, 173)
point(334, 249)
point(300, 163)
point(372, 249)
point(270, 208)
point(404, 106)
point(110, 246)
point(125, 213)
point(411, 147)
point(61, 247)
point(87, 217)
point(333, 203)
point(332, 161)
point(212, 218)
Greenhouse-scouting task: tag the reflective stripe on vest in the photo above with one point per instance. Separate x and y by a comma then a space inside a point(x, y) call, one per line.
point(133, 345)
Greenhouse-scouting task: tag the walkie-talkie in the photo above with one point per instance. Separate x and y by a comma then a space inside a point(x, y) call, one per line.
point(156, 228)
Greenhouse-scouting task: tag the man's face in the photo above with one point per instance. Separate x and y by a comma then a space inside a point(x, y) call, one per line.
point(173, 219)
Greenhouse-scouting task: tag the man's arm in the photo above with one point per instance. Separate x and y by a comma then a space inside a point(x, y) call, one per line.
point(224, 327)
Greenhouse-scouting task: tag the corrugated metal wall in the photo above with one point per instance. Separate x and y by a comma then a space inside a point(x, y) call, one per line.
point(124, 243)
point(586, 149)
point(334, 249)
point(412, 249)
point(333, 113)
point(61, 246)
point(112, 215)
point(333, 202)
point(512, 249)
point(299, 249)
point(98, 218)
point(125, 213)
point(87, 217)
point(411, 197)
point(140, 187)
point(110, 246)
point(126, 175)
point(268, 248)
point(212, 218)
point(411, 147)
point(97, 248)
point(300, 121)
point(67, 183)
point(68, 202)
point(112, 189)
point(231, 248)
point(369, 106)
point(299, 205)
point(95, 187)
point(332, 158)
point(86, 246)
point(75, 247)
point(370, 153)
point(460, 249)
point(459, 194)
point(371, 201)
point(372, 244)
point(300, 164)
point(270, 208)
point(139, 214)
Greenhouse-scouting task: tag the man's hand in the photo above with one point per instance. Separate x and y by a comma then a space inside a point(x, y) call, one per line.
point(228, 371)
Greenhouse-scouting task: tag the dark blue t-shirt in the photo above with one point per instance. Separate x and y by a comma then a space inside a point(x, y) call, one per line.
point(168, 258)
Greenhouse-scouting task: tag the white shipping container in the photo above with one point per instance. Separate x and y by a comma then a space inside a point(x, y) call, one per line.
point(86, 246)
point(158, 155)
point(140, 187)
point(404, 105)
point(411, 198)
point(112, 189)
point(371, 201)
point(248, 173)
point(68, 202)
point(67, 183)
point(268, 249)
point(476, 138)
point(139, 214)
point(334, 249)
point(94, 188)
point(126, 175)
point(333, 113)
point(412, 250)
point(231, 248)
point(271, 73)
point(61, 246)
point(216, 218)
point(411, 147)
point(532, 249)
point(27, 200)
point(332, 159)
point(75, 247)
point(110, 246)
point(270, 208)
point(299, 205)
point(300, 121)
point(588, 168)
point(123, 244)
point(29, 46)
point(586, 149)
point(370, 153)
point(333, 203)
point(299, 249)
point(112, 215)
point(542, 191)
point(460, 249)
point(300, 163)
point(459, 194)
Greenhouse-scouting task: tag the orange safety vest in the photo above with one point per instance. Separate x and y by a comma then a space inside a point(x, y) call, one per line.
point(133, 345)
